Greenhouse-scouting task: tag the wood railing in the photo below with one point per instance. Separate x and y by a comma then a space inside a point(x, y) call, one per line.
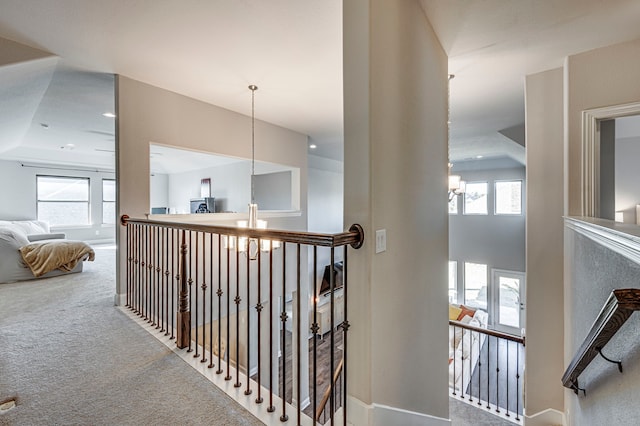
point(194, 282)
point(486, 367)
point(615, 312)
point(333, 392)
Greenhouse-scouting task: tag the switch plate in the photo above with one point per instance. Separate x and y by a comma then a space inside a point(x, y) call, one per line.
point(381, 240)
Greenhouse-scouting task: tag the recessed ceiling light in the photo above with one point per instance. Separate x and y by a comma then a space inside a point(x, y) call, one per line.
point(313, 146)
point(479, 156)
point(109, 114)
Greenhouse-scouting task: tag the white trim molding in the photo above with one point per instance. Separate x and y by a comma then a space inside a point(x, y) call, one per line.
point(621, 238)
point(546, 418)
point(591, 151)
point(362, 414)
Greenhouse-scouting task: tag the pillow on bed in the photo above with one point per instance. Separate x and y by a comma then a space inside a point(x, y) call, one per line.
point(32, 226)
point(465, 310)
point(454, 312)
point(457, 334)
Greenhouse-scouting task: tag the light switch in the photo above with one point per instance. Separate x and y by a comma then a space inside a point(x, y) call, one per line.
point(381, 240)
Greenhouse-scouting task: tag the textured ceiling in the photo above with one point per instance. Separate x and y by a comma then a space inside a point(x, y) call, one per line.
point(292, 49)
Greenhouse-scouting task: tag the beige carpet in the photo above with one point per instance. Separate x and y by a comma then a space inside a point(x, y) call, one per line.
point(69, 357)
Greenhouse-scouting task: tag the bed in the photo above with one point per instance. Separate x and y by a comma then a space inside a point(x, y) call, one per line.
point(29, 251)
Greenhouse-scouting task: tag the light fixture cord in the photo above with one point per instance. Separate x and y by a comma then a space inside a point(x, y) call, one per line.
point(253, 141)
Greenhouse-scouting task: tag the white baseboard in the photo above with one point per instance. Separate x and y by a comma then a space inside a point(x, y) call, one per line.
point(382, 415)
point(548, 417)
point(120, 299)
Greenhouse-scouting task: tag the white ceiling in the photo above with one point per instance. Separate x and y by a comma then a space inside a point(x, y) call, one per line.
point(292, 49)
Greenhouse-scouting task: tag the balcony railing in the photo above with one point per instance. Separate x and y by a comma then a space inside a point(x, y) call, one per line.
point(486, 368)
point(245, 301)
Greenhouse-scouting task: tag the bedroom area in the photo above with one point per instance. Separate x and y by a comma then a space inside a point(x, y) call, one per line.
point(57, 166)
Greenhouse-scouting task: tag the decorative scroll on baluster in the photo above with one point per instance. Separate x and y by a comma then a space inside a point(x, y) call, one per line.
point(183, 315)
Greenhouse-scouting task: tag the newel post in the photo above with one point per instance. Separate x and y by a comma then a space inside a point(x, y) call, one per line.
point(184, 315)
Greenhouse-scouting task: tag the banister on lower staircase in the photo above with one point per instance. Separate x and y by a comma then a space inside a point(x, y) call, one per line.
point(615, 312)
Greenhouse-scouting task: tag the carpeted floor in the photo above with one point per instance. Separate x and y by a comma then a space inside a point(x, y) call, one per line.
point(69, 357)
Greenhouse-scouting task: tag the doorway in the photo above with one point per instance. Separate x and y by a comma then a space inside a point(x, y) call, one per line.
point(507, 301)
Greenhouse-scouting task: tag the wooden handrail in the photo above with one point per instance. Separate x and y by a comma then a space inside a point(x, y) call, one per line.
point(615, 312)
point(506, 336)
point(354, 236)
point(327, 393)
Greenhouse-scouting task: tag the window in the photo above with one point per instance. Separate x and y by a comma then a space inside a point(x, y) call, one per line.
point(453, 205)
point(475, 198)
point(509, 197)
point(453, 281)
point(63, 200)
point(108, 201)
point(475, 285)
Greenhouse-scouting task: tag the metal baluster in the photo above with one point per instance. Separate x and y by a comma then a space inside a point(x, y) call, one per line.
point(470, 358)
point(479, 369)
point(488, 367)
point(197, 275)
point(158, 253)
point(497, 375)
point(454, 360)
point(143, 270)
point(211, 300)
point(517, 381)
point(345, 328)
point(128, 256)
point(190, 282)
point(219, 294)
point(298, 336)
point(271, 408)
point(248, 265)
point(508, 365)
point(173, 287)
point(332, 286)
point(314, 331)
point(283, 317)
point(161, 265)
point(228, 376)
point(237, 301)
point(151, 265)
point(204, 299)
point(259, 314)
point(167, 279)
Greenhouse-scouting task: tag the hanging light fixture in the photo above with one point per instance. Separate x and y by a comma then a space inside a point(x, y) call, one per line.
point(250, 245)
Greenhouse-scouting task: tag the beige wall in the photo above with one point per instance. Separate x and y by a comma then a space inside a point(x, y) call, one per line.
point(544, 236)
point(598, 78)
point(149, 114)
point(395, 77)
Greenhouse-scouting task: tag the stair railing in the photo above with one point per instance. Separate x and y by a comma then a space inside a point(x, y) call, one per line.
point(615, 312)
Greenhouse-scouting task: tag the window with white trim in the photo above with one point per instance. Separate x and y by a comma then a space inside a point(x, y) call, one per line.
point(63, 200)
point(475, 198)
point(475, 285)
point(453, 281)
point(508, 197)
point(108, 201)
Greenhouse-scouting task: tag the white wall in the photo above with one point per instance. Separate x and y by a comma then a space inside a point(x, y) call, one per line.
point(230, 185)
point(494, 240)
point(159, 190)
point(18, 195)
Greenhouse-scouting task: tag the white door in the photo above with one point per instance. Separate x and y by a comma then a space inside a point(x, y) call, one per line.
point(507, 308)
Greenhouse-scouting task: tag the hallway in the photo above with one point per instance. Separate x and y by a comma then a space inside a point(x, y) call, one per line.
point(68, 356)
